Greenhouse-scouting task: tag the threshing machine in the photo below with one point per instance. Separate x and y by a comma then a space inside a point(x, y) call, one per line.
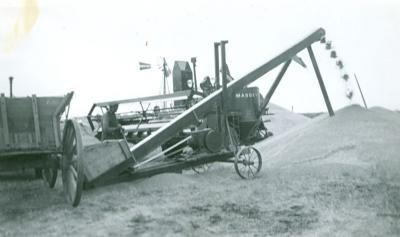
point(218, 127)
point(214, 129)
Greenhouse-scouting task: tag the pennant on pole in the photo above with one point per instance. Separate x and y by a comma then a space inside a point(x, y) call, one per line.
point(144, 66)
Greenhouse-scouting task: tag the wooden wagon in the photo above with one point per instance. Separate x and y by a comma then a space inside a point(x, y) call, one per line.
point(30, 134)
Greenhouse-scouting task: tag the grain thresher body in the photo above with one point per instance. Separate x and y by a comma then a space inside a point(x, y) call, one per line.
point(246, 105)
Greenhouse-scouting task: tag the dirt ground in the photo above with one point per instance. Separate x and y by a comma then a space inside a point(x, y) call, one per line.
point(325, 177)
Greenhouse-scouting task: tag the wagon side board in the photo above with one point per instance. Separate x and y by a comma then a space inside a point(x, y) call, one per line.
point(29, 161)
point(31, 125)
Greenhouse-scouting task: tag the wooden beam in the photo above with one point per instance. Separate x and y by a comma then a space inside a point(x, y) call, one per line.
point(320, 81)
point(26, 152)
point(4, 120)
point(274, 85)
point(36, 120)
point(28, 161)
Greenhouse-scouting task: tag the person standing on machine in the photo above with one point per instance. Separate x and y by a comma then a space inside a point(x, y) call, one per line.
point(206, 86)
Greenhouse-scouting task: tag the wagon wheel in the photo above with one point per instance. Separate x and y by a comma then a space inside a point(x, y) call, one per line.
point(248, 162)
point(49, 176)
point(72, 165)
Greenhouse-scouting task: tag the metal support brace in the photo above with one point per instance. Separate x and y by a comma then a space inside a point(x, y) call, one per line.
point(275, 85)
point(193, 60)
point(224, 78)
point(218, 85)
point(320, 81)
point(361, 93)
point(225, 96)
point(216, 58)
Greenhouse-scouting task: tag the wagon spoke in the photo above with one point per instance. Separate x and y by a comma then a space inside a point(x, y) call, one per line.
point(70, 134)
point(71, 148)
point(242, 161)
point(245, 160)
point(251, 159)
point(71, 187)
point(74, 173)
point(74, 144)
point(242, 170)
point(74, 149)
point(74, 160)
point(251, 152)
point(251, 170)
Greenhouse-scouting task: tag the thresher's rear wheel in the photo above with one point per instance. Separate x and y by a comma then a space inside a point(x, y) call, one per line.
point(248, 162)
point(72, 165)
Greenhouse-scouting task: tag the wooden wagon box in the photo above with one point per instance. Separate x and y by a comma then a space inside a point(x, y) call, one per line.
point(31, 125)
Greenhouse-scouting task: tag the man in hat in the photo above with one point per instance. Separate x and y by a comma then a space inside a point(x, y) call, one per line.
point(111, 128)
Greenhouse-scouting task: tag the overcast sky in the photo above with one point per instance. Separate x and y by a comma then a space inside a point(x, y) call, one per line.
point(93, 47)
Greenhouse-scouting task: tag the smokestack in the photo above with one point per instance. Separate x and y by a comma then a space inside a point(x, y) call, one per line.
point(11, 86)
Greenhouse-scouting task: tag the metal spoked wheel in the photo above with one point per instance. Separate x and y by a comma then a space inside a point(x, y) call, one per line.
point(248, 162)
point(71, 165)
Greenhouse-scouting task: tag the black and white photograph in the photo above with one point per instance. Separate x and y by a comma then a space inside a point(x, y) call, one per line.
point(199, 118)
